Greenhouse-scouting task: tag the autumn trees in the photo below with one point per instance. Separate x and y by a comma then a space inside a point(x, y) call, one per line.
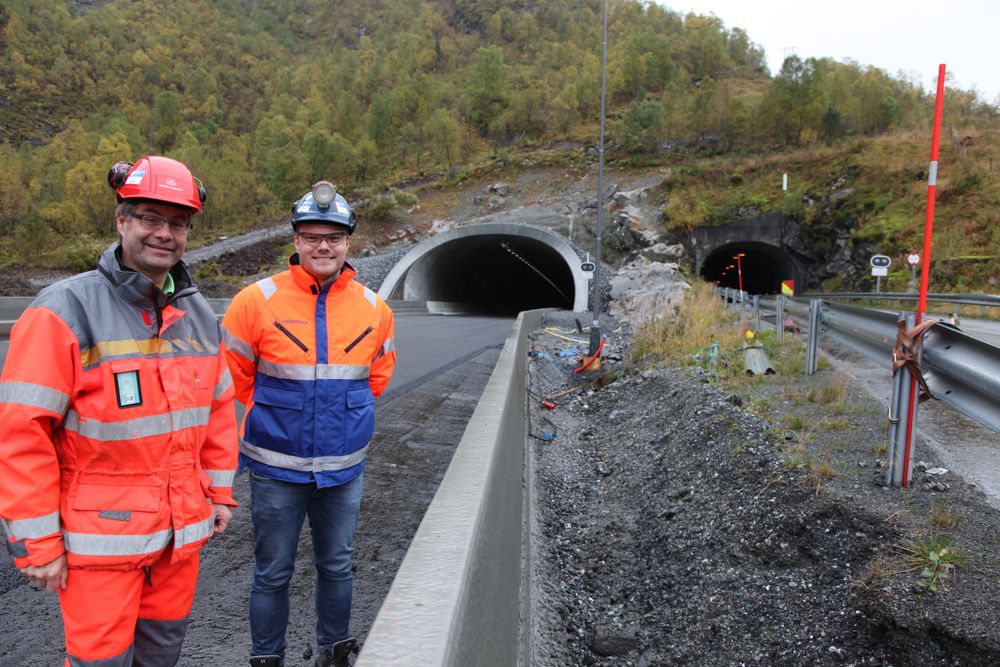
point(262, 97)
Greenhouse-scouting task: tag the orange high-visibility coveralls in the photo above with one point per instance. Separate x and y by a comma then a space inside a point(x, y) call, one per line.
point(117, 435)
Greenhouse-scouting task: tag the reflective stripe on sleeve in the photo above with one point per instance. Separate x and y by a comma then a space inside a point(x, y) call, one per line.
point(313, 371)
point(238, 345)
point(194, 532)
point(267, 287)
point(221, 477)
point(371, 297)
point(35, 396)
point(92, 544)
point(388, 345)
point(140, 427)
point(224, 383)
point(33, 528)
point(302, 464)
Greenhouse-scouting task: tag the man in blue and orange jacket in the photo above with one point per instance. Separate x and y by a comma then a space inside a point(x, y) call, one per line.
point(309, 349)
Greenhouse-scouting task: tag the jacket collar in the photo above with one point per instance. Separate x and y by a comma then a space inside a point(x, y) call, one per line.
point(139, 290)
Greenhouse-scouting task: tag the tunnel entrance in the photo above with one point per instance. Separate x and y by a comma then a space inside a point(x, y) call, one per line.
point(493, 268)
point(762, 267)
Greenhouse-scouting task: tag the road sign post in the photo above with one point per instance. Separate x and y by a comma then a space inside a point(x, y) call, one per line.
point(880, 267)
point(913, 260)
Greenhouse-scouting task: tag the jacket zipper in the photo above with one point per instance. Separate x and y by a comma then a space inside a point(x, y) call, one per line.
point(357, 340)
point(291, 336)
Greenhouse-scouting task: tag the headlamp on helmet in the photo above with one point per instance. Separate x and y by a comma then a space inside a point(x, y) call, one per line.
point(324, 192)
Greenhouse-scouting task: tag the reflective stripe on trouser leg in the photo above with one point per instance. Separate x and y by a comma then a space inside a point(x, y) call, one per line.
point(101, 609)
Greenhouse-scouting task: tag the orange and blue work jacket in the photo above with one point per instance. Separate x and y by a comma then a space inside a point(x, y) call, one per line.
point(308, 360)
point(117, 422)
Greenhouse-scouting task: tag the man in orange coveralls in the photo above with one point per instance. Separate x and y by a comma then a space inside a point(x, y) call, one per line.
point(118, 441)
point(310, 349)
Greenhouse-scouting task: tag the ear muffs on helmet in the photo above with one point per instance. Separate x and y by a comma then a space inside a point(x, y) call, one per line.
point(117, 174)
point(159, 179)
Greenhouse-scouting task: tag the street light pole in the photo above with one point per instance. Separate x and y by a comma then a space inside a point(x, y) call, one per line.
point(739, 277)
point(595, 297)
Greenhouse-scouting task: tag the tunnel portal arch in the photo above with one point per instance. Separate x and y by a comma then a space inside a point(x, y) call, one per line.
point(762, 265)
point(772, 252)
point(492, 267)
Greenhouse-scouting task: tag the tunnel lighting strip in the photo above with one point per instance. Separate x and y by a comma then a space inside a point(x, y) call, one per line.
point(505, 246)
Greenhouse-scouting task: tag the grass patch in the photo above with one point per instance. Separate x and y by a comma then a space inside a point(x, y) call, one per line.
point(825, 470)
point(935, 557)
point(833, 423)
point(943, 517)
point(700, 326)
point(794, 422)
point(796, 455)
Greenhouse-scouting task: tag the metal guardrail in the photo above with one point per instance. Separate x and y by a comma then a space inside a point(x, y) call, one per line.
point(961, 370)
point(11, 308)
point(964, 299)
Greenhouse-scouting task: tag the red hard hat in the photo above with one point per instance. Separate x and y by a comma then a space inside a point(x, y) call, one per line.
point(157, 178)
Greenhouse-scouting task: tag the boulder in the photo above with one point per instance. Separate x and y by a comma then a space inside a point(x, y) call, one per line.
point(644, 291)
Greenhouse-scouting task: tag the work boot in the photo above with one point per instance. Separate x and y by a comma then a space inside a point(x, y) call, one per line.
point(266, 661)
point(338, 654)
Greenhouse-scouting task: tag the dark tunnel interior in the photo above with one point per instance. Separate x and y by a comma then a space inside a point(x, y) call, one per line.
point(491, 273)
point(760, 267)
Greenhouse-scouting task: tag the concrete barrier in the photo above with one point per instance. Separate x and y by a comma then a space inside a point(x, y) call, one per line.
point(457, 597)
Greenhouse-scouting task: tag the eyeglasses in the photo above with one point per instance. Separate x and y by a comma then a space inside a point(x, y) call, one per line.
point(314, 240)
point(155, 222)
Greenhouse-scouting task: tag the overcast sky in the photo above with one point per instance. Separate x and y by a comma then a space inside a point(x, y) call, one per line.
point(912, 36)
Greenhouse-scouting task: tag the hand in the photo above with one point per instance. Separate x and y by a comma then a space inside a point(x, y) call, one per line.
point(49, 577)
point(223, 515)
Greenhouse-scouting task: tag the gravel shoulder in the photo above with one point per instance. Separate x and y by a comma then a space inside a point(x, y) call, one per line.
point(683, 524)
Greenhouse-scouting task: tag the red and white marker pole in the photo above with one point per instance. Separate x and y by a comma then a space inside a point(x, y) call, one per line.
point(926, 272)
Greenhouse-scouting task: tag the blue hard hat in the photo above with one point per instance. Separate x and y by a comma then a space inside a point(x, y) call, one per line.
point(325, 205)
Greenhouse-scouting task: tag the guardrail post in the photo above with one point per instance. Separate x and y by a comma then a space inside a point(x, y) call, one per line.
point(756, 310)
point(779, 317)
point(812, 351)
point(899, 415)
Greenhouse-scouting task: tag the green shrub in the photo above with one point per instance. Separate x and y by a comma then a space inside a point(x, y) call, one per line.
point(82, 252)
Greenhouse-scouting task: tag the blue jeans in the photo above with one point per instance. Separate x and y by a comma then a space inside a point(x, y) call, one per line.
point(278, 510)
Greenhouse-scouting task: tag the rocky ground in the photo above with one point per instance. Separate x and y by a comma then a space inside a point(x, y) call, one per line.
point(681, 524)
